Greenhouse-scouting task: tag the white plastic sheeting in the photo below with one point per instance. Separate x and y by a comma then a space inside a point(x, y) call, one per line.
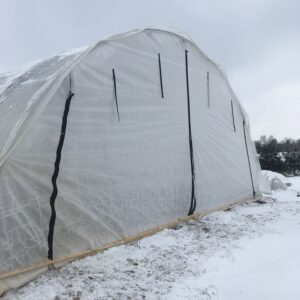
point(117, 178)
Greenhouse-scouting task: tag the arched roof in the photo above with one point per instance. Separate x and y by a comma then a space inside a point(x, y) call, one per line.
point(25, 93)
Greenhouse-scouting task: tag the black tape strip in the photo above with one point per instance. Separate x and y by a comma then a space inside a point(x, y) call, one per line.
point(208, 89)
point(56, 171)
point(160, 77)
point(115, 91)
point(232, 113)
point(193, 199)
point(253, 190)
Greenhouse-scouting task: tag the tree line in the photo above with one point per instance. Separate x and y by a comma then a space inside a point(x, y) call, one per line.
point(282, 156)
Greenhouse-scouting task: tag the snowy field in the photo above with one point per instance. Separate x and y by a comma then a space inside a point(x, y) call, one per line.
point(249, 252)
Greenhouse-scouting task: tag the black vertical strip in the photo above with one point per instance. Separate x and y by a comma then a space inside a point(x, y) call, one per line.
point(232, 113)
point(160, 76)
point(56, 171)
point(115, 91)
point(248, 159)
point(208, 89)
point(193, 199)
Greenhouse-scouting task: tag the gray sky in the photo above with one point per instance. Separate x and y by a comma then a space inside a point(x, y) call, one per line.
point(257, 42)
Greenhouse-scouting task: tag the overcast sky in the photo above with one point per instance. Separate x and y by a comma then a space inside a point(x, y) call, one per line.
point(257, 43)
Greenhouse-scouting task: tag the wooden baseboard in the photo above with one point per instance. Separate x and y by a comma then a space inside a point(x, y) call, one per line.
point(127, 240)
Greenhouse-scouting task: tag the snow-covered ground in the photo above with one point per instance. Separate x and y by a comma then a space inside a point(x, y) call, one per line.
point(249, 252)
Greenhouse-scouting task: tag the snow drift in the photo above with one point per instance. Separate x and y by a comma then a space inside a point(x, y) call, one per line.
point(276, 180)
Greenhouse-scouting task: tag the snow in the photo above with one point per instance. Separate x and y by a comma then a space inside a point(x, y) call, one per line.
point(7, 78)
point(270, 175)
point(249, 252)
point(65, 53)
